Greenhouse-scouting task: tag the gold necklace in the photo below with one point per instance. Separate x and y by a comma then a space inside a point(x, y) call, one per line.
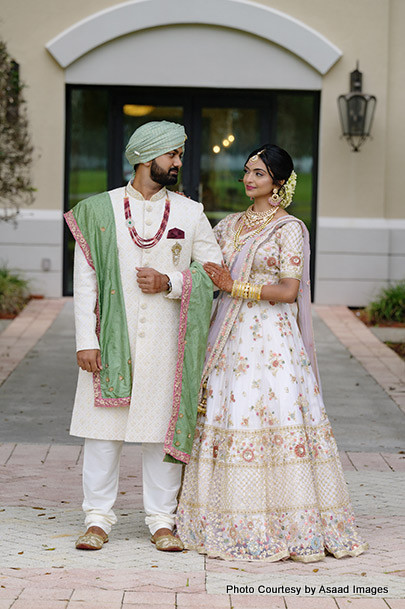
point(253, 218)
point(269, 217)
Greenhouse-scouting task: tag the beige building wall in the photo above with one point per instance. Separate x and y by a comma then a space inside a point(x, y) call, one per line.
point(361, 214)
point(394, 168)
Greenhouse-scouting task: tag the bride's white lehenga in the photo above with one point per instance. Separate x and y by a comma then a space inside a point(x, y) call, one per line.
point(265, 480)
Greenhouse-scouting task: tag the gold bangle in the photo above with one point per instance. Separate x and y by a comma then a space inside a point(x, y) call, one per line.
point(241, 289)
point(247, 290)
point(254, 291)
point(258, 292)
point(237, 290)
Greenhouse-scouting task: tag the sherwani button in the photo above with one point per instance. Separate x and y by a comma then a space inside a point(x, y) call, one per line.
point(112, 292)
point(142, 320)
point(149, 208)
point(177, 443)
point(143, 305)
point(148, 222)
point(141, 334)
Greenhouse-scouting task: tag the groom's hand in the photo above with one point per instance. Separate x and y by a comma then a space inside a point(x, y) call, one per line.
point(89, 360)
point(151, 281)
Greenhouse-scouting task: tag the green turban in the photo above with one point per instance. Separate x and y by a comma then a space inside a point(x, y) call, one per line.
point(154, 139)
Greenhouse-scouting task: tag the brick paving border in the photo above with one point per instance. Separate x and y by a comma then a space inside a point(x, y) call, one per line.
point(66, 455)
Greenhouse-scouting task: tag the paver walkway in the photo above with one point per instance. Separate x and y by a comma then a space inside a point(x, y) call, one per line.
point(24, 332)
point(380, 361)
point(40, 515)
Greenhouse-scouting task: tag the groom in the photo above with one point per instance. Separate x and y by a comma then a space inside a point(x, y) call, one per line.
point(133, 245)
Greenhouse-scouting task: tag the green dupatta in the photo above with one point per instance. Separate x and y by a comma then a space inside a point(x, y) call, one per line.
point(93, 226)
point(196, 304)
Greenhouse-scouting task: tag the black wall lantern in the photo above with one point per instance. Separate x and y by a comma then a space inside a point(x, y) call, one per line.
point(356, 111)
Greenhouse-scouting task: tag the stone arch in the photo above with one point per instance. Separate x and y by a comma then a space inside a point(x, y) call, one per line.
point(130, 17)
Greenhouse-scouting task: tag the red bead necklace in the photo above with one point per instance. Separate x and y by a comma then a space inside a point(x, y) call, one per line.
point(139, 241)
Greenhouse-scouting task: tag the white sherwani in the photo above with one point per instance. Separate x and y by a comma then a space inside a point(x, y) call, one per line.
point(153, 319)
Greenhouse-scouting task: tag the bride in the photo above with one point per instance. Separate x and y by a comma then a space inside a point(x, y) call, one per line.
point(264, 480)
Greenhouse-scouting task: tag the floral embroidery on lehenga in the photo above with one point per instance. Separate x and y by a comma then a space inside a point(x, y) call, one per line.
point(265, 481)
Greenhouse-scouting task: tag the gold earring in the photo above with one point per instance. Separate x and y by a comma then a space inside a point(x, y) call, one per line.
point(275, 198)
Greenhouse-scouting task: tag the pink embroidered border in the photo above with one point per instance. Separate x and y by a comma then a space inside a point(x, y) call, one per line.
point(106, 402)
point(185, 301)
point(98, 396)
point(79, 238)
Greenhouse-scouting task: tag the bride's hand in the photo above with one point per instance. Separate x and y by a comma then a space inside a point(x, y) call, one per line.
point(219, 275)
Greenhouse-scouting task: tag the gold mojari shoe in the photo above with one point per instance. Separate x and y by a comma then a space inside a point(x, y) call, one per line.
point(91, 541)
point(167, 543)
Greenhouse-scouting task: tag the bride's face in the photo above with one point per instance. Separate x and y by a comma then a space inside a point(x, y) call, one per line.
point(257, 180)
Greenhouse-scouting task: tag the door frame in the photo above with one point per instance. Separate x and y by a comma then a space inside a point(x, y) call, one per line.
point(192, 100)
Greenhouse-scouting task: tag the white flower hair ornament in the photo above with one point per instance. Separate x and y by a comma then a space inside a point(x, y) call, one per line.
point(287, 190)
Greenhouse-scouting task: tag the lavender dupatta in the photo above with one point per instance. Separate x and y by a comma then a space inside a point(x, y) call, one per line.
point(228, 308)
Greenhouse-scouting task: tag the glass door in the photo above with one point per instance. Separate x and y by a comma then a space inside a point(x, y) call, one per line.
point(226, 136)
point(86, 157)
point(296, 119)
point(223, 126)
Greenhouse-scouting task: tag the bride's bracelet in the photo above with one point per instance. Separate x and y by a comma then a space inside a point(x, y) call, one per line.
point(246, 290)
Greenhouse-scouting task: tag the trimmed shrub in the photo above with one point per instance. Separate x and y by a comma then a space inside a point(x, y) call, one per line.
point(13, 293)
point(389, 306)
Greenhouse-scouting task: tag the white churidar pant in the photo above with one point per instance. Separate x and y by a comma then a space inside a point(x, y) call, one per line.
point(161, 484)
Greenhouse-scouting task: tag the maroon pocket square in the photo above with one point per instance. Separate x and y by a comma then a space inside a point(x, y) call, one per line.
point(175, 233)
